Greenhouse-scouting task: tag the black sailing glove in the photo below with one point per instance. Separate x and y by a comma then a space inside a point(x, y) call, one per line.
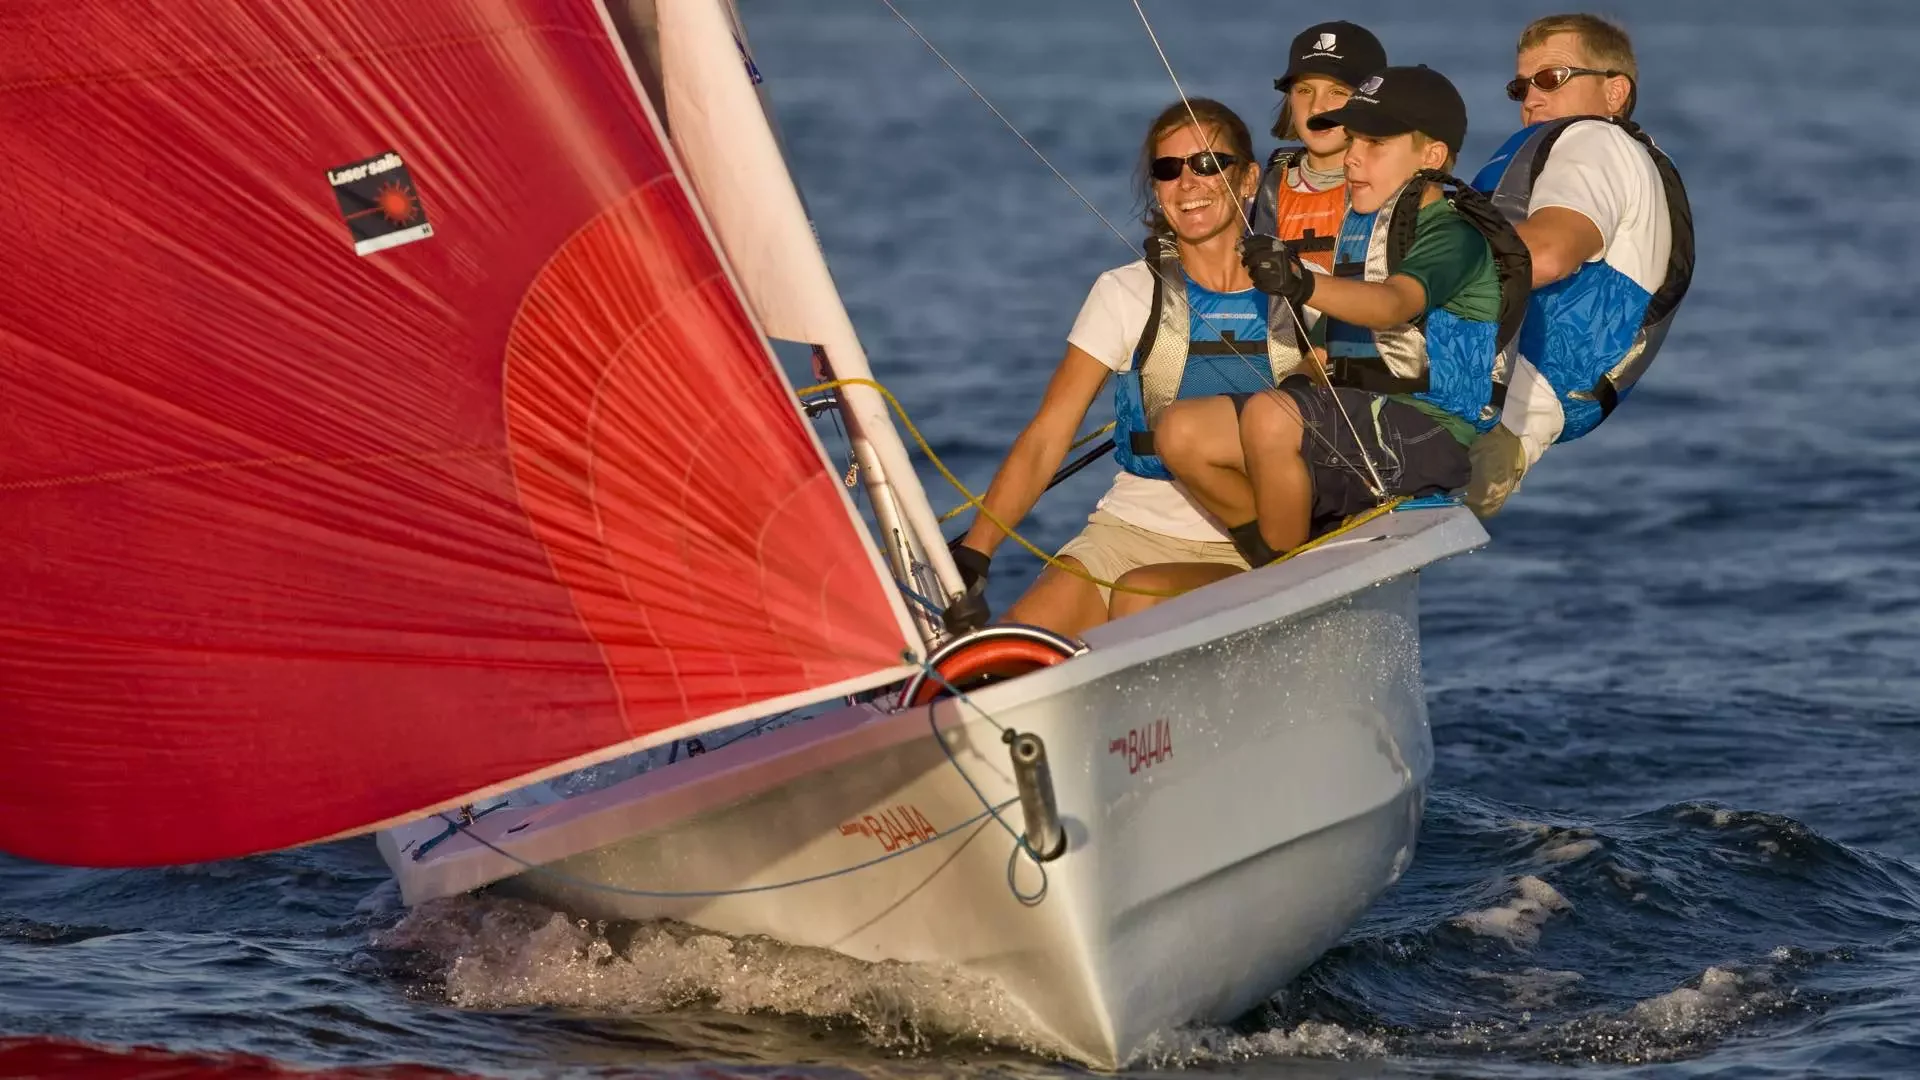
point(1275, 269)
point(971, 564)
point(969, 611)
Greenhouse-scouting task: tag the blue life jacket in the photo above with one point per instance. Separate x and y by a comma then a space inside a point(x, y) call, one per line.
point(1455, 364)
point(1197, 343)
point(1593, 334)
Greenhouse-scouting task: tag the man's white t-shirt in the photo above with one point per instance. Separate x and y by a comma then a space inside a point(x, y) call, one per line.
point(1108, 327)
point(1603, 174)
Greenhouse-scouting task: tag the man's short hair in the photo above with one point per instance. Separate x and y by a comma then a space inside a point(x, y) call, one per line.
point(1604, 42)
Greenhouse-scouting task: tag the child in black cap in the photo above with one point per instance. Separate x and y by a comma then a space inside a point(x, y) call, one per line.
point(1303, 194)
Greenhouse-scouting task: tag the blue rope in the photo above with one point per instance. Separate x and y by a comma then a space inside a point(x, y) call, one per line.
point(706, 894)
point(450, 830)
point(754, 730)
point(908, 592)
point(1019, 836)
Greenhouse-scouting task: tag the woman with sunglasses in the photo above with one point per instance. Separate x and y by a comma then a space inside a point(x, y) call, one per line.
point(1303, 194)
point(1605, 219)
point(1184, 322)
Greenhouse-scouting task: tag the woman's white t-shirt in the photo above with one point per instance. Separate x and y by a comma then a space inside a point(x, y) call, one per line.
point(1108, 327)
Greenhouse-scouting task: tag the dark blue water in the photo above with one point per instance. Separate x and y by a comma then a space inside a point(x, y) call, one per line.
point(1675, 814)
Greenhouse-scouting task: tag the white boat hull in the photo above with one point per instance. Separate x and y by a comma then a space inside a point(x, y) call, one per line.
point(1240, 773)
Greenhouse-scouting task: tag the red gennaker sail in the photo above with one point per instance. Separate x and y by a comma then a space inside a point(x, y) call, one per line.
point(378, 425)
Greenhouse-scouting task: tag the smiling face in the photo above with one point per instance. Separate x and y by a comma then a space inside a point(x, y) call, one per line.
point(1378, 166)
point(1308, 97)
point(1582, 95)
point(1200, 208)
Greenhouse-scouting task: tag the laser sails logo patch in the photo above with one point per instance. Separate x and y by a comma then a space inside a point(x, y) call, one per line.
point(380, 204)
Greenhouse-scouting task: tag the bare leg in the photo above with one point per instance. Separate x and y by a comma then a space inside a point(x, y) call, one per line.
point(1060, 601)
point(1270, 434)
point(1199, 441)
point(1163, 578)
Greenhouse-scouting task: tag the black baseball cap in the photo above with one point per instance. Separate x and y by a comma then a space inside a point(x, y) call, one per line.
point(1397, 100)
point(1347, 51)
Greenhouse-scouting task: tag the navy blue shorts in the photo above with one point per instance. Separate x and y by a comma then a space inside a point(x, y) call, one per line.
point(1412, 453)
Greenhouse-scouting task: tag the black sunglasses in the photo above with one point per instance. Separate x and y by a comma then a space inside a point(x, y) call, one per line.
point(1551, 79)
point(1204, 163)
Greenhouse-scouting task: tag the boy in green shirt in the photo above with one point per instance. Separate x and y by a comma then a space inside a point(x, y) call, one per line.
point(1411, 117)
point(1410, 322)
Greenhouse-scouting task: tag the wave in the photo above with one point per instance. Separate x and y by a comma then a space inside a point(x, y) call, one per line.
point(495, 953)
point(1517, 935)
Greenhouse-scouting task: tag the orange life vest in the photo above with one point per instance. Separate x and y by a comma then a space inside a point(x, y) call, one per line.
point(1308, 220)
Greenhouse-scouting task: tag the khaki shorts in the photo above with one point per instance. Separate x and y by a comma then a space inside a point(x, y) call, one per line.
point(1109, 547)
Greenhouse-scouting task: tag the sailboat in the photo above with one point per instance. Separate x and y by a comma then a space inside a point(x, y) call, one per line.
point(393, 438)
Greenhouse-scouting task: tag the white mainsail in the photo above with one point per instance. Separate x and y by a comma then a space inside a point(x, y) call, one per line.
point(720, 130)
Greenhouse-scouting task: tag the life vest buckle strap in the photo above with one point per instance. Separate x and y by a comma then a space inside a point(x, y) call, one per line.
point(1370, 374)
point(1607, 396)
point(1229, 346)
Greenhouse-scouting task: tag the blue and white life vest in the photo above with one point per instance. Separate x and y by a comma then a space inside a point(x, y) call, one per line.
point(1197, 343)
point(1593, 334)
point(1455, 364)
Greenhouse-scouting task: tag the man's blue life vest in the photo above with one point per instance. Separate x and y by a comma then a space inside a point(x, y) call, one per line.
point(1593, 334)
point(1197, 343)
point(1458, 365)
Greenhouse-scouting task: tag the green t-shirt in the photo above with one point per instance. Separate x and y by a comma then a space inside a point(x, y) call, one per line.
point(1451, 261)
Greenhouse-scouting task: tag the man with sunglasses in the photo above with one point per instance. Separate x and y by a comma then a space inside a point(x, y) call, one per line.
point(1605, 219)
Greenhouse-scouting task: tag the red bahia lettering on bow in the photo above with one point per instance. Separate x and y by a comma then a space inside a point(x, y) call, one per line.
point(894, 828)
point(1145, 747)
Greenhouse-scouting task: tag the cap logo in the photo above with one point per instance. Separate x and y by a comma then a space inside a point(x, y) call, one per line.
point(1325, 42)
point(1372, 85)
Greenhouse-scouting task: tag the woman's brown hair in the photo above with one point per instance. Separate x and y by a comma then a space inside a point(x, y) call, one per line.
point(1224, 132)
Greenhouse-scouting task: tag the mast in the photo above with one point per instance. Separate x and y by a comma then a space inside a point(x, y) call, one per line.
point(726, 142)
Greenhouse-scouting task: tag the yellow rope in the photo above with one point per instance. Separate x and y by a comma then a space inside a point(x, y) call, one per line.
point(973, 500)
point(1077, 444)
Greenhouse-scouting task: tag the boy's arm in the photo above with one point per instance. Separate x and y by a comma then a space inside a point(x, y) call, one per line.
point(1376, 305)
point(1277, 271)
